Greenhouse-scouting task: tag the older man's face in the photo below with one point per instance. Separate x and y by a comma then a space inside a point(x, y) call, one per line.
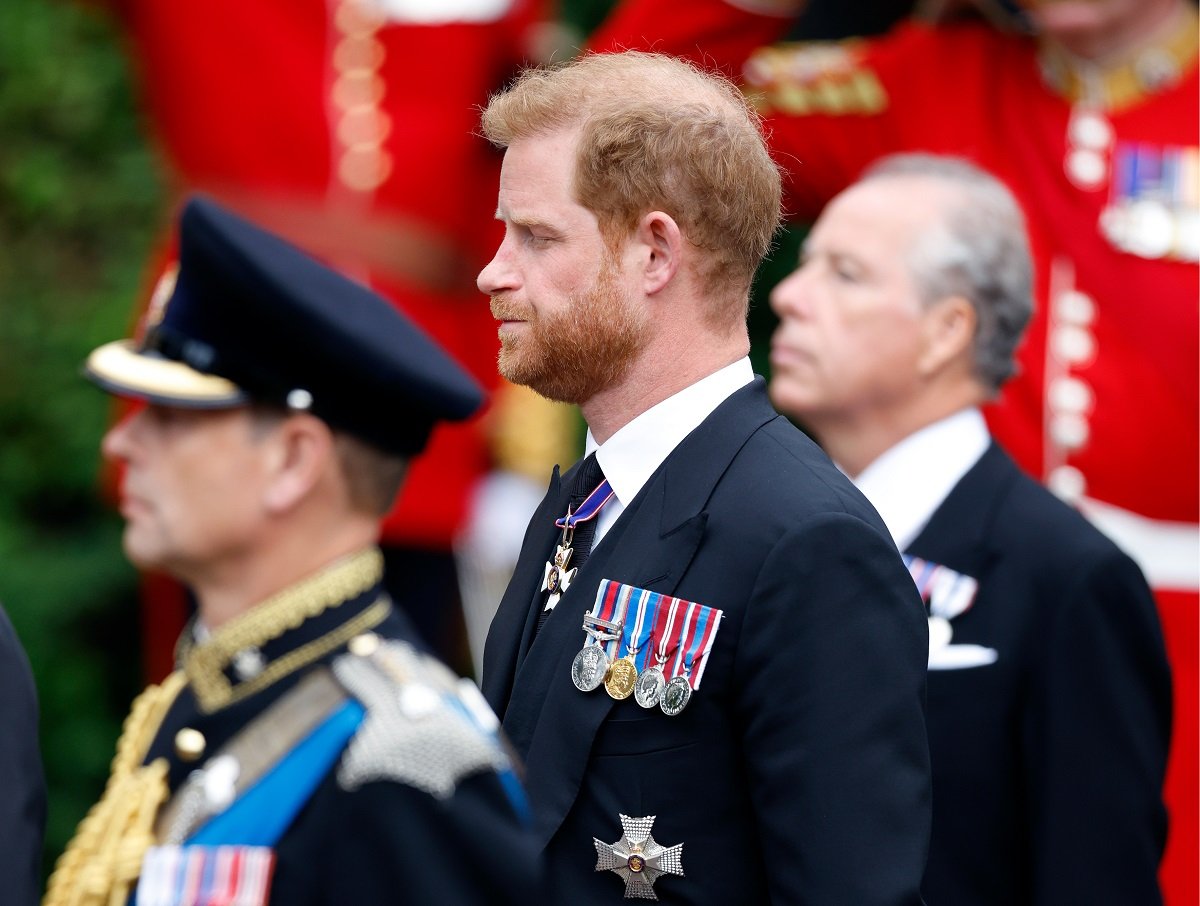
point(568, 327)
point(1097, 27)
point(851, 318)
point(189, 492)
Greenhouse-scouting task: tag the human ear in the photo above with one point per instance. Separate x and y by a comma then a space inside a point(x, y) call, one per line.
point(662, 241)
point(301, 448)
point(948, 329)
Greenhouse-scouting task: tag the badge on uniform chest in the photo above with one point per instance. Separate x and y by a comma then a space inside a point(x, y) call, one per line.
point(645, 644)
point(559, 573)
point(557, 577)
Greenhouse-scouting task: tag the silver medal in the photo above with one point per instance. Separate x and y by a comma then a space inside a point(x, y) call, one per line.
point(589, 667)
point(675, 696)
point(649, 687)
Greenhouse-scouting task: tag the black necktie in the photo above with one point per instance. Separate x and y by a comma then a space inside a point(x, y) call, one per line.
point(586, 480)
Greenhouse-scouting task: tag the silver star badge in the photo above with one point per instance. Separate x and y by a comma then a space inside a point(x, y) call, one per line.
point(638, 858)
point(557, 578)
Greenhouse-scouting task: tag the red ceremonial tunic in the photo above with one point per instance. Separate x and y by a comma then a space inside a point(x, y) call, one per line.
point(350, 127)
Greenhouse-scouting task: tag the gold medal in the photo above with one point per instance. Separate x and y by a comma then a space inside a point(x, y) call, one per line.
point(622, 677)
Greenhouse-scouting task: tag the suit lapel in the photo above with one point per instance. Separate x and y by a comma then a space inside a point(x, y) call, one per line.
point(512, 627)
point(651, 545)
point(958, 535)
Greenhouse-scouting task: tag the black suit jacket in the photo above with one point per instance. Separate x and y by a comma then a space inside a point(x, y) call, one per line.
point(1048, 764)
point(23, 790)
point(799, 771)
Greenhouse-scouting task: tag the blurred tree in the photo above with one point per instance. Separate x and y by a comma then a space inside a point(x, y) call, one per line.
point(79, 205)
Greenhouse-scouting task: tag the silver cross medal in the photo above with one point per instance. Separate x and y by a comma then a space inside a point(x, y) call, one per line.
point(557, 578)
point(638, 858)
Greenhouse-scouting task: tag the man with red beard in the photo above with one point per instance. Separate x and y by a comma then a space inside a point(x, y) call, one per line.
point(760, 733)
point(1092, 121)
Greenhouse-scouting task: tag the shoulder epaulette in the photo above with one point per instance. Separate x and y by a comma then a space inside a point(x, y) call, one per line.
point(424, 726)
point(818, 77)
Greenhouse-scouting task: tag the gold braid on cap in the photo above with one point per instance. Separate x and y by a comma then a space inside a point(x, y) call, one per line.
point(103, 860)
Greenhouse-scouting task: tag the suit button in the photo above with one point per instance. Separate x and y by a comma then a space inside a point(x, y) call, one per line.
point(189, 744)
point(364, 645)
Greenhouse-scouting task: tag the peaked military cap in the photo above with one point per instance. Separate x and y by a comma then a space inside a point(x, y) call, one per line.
point(253, 318)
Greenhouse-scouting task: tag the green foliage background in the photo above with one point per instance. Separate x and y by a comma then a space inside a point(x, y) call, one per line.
point(80, 203)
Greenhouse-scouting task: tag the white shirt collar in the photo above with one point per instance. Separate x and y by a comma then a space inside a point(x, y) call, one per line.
point(632, 455)
point(908, 483)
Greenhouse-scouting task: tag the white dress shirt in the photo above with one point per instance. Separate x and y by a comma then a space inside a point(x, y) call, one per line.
point(632, 455)
point(909, 482)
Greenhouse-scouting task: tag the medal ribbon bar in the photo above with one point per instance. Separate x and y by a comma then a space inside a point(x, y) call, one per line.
point(589, 509)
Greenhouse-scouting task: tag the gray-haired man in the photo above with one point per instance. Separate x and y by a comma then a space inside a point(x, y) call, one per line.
point(1049, 694)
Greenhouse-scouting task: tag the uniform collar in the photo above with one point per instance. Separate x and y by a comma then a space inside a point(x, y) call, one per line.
point(286, 632)
point(910, 481)
point(635, 452)
point(1148, 70)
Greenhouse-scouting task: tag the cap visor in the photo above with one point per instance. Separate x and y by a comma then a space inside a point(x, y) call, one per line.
point(120, 369)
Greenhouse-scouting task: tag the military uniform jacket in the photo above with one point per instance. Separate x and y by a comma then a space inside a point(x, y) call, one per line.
point(1047, 763)
point(799, 771)
point(409, 813)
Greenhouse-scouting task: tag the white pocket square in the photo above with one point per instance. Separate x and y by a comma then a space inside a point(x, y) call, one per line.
point(959, 657)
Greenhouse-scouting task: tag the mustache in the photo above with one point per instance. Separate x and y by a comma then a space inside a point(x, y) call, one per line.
point(505, 309)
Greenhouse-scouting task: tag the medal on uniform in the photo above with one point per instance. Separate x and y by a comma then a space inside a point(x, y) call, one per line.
point(676, 695)
point(638, 858)
point(621, 678)
point(176, 874)
point(1154, 208)
point(633, 646)
point(651, 682)
point(695, 643)
point(590, 666)
point(557, 577)
point(623, 674)
point(603, 625)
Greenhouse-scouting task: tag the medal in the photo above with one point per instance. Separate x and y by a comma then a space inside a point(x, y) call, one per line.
point(676, 695)
point(557, 577)
point(623, 674)
point(590, 668)
point(651, 683)
point(603, 625)
point(638, 858)
point(649, 687)
point(621, 678)
point(696, 641)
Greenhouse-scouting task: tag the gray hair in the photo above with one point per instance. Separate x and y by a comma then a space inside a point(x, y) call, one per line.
point(978, 250)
